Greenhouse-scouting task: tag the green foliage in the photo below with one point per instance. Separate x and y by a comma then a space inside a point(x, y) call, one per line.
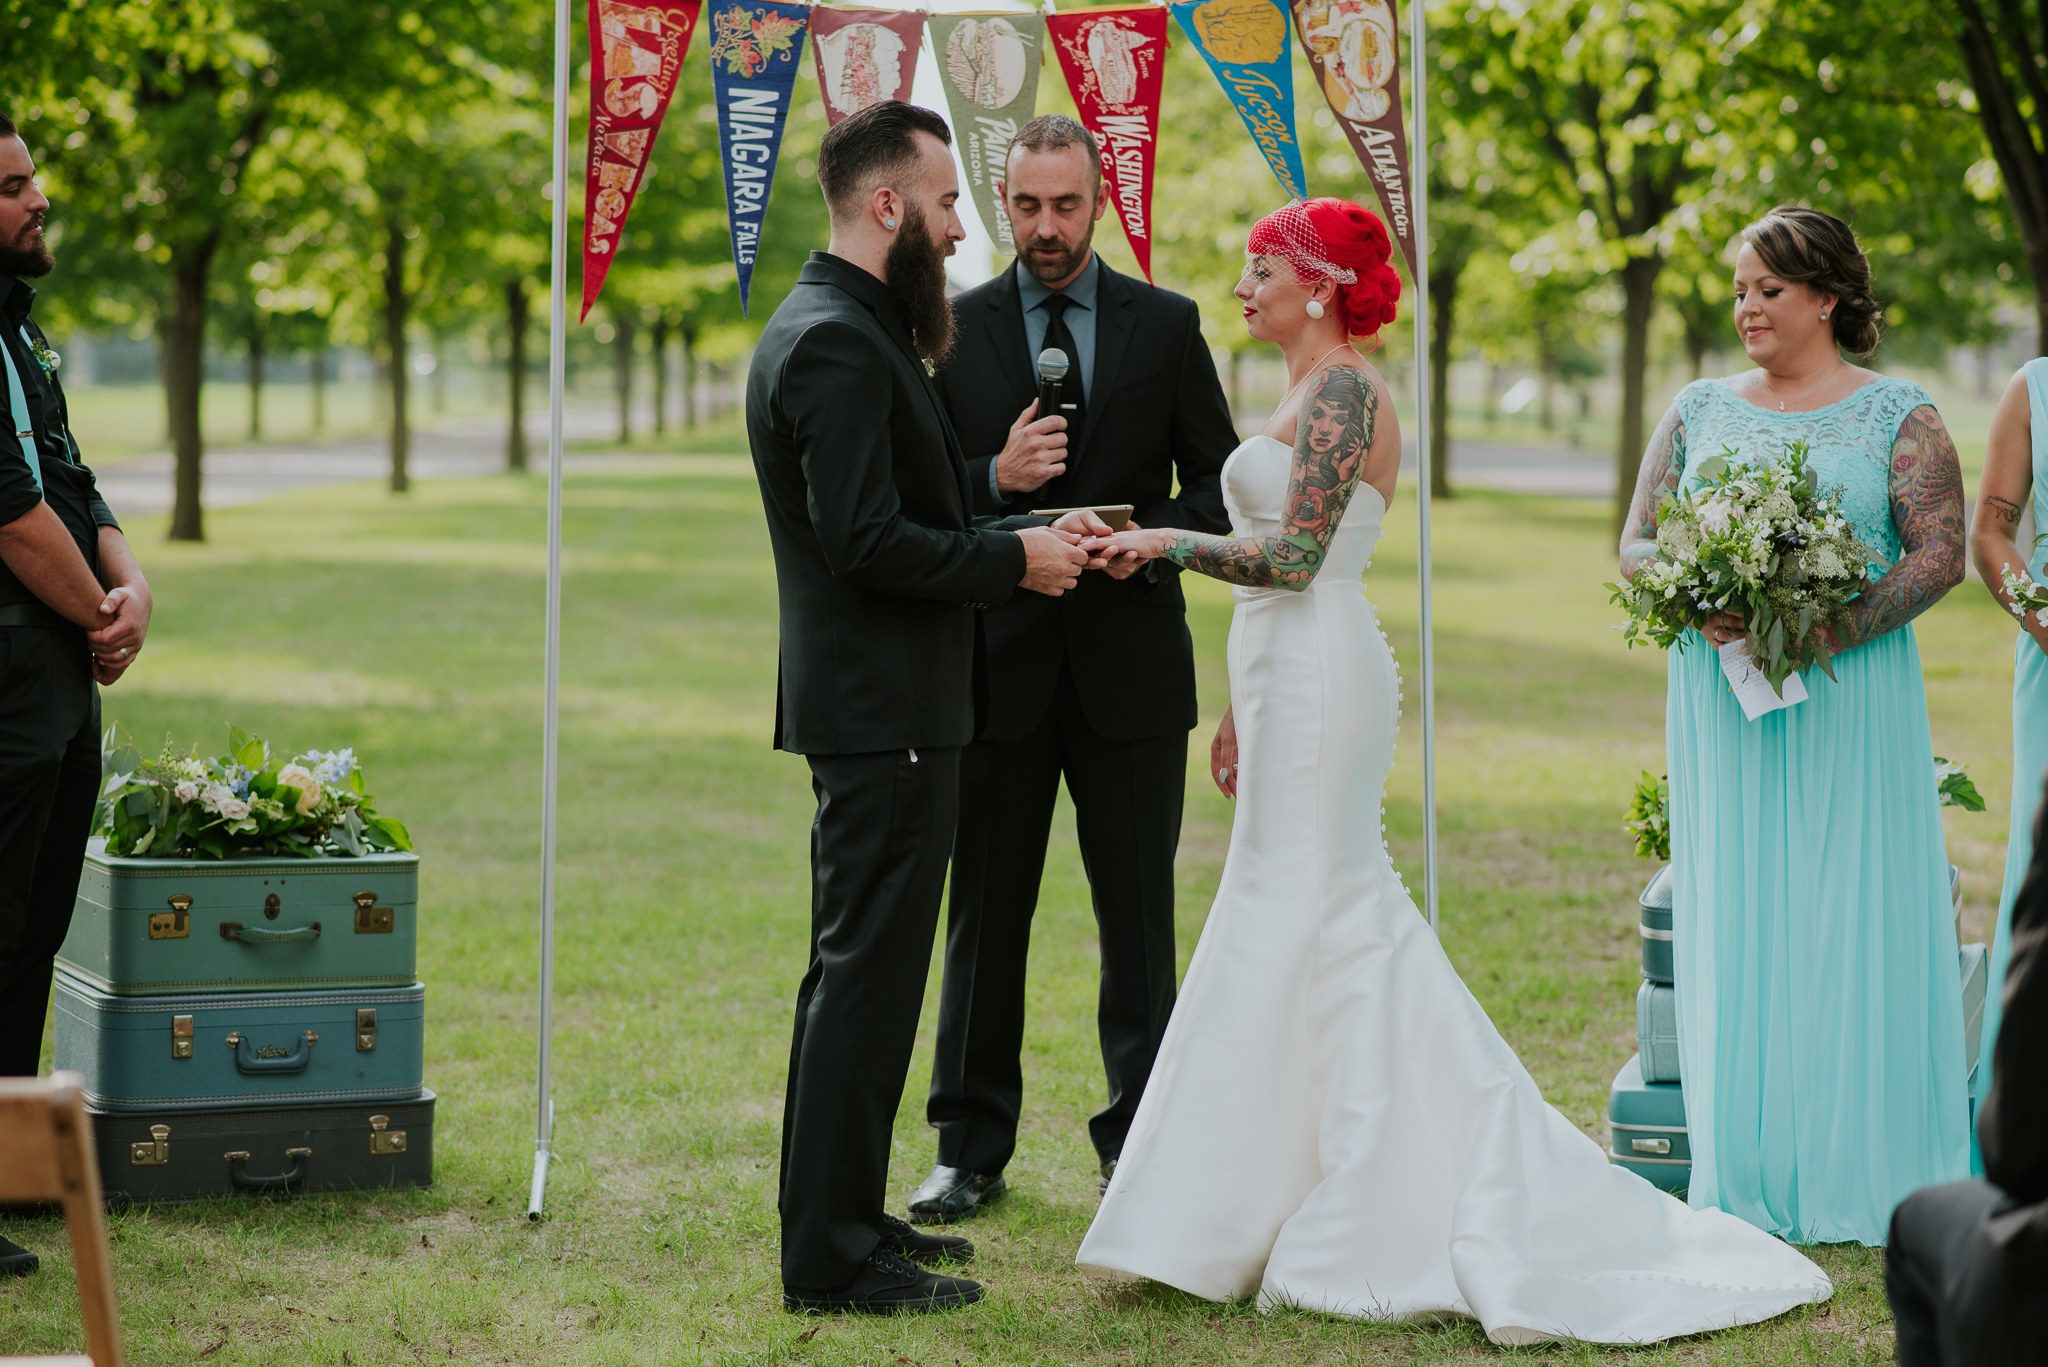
point(1649, 817)
point(1953, 784)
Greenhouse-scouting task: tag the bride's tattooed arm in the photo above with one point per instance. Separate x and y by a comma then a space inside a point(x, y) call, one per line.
point(1663, 463)
point(1927, 507)
point(1338, 417)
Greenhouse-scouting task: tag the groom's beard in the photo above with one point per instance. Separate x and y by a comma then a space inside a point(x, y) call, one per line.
point(27, 257)
point(916, 270)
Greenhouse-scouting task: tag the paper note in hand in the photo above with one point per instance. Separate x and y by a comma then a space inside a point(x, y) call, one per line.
point(1752, 689)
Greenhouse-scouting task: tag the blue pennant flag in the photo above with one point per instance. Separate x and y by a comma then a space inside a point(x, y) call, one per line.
point(1245, 44)
point(754, 51)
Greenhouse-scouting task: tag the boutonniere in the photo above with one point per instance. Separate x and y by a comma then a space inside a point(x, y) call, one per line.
point(931, 371)
point(46, 358)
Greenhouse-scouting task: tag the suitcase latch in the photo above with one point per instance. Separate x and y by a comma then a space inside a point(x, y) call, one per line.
point(175, 924)
point(156, 1152)
point(181, 1037)
point(272, 905)
point(384, 1141)
point(1650, 1145)
point(371, 919)
point(366, 1029)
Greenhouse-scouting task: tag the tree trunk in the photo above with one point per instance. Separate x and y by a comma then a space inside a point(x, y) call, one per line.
point(437, 381)
point(184, 373)
point(1546, 400)
point(1638, 284)
point(395, 303)
point(622, 373)
point(256, 377)
point(689, 375)
point(319, 376)
point(515, 427)
point(1493, 379)
point(1443, 298)
point(659, 345)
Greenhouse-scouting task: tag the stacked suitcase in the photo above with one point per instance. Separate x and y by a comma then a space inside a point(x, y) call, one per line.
point(252, 1025)
point(1646, 1106)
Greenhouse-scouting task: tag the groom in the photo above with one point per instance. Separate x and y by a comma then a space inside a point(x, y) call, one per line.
point(881, 571)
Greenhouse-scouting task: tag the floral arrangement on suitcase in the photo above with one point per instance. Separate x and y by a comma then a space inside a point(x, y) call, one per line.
point(1758, 537)
point(1648, 818)
point(249, 801)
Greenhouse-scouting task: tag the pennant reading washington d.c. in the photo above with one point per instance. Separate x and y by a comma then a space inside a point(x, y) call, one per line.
point(864, 56)
point(754, 49)
point(1114, 62)
point(989, 64)
point(636, 52)
point(1357, 60)
point(1245, 44)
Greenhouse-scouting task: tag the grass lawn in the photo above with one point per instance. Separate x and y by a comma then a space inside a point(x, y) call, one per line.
point(410, 628)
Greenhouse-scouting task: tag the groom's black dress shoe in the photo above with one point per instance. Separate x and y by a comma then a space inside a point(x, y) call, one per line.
point(926, 1250)
point(16, 1261)
point(1102, 1184)
point(953, 1194)
point(888, 1284)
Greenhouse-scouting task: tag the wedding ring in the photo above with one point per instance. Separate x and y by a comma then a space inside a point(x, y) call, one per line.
point(122, 653)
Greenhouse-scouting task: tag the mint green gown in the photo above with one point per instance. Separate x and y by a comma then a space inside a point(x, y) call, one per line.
point(1819, 1022)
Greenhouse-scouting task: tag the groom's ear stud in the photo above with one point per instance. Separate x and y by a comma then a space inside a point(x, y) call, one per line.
point(890, 223)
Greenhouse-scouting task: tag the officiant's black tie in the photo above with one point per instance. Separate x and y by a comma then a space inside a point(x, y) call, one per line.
point(1073, 398)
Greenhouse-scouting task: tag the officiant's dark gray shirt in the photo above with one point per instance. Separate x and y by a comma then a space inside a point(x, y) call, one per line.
point(1031, 295)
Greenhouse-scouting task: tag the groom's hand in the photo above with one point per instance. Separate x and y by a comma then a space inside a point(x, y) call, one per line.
point(1052, 560)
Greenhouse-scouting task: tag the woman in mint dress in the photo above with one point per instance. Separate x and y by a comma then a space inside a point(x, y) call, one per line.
point(1820, 1026)
point(2016, 474)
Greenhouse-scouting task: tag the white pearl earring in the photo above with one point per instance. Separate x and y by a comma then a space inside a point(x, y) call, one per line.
point(1315, 308)
point(1823, 317)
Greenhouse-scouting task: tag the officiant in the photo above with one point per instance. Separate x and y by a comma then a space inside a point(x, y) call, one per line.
point(1098, 686)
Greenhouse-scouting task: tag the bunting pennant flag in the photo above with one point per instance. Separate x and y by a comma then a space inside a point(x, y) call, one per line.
point(988, 62)
point(1354, 48)
point(1245, 44)
point(1115, 61)
point(754, 49)
point(864, 56)
point(636, 53)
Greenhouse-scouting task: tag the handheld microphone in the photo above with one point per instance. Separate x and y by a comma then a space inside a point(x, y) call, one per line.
point(1052, 370)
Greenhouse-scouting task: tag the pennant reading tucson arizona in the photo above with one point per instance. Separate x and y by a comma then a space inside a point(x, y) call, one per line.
point(989, 63)
point(1114, 61)
point(864, 56)
point(636, 52)
point(754, 48)
point(1352, 46)
point(1245, 44)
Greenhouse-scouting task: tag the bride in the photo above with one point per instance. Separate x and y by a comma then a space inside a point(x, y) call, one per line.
point(1333, 1123)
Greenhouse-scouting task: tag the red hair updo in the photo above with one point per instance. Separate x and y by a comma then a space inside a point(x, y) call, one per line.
point(1327, 238)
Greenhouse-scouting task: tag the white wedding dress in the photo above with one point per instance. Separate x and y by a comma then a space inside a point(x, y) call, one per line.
point(1333, 1123)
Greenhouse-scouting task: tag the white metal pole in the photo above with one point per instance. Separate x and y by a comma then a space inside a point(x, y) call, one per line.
point(1418, 189)
point(558, 341)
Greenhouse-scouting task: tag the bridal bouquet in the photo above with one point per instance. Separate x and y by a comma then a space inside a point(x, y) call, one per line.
point(1758, 537)
point(246, 802)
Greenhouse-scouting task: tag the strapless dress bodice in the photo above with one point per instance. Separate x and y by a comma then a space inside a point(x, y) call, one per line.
point(1255, 494)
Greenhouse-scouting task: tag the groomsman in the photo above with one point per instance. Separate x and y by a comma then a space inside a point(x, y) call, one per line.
point(1098, 686)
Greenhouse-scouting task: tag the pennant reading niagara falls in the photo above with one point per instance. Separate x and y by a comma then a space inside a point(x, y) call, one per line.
point(864, 56)
point(989, 64)
point(1356, 56)
point(1114, 62)
point(754, 48)
point(636, 53)
point(1245, 44)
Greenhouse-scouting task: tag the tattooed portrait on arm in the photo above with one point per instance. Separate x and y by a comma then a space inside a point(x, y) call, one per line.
point(1927, 507)
point(1338, 418)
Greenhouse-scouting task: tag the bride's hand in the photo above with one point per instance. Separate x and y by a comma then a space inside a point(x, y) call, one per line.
point(1136, 544)
point(1117, 565)
point(1723, 627)
point(1223, 754)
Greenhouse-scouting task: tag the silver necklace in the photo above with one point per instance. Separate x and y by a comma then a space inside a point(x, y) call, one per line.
point(1307, 375)
point(1815, 388)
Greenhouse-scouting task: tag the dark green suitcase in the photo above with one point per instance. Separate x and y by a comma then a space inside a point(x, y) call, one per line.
point(184, 1155)
point(153, 927)
point(1655, 905)
point(1647, 1124)
point(1657, 1032)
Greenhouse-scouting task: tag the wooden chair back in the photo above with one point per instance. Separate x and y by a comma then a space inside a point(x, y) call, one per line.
point(46, 1154)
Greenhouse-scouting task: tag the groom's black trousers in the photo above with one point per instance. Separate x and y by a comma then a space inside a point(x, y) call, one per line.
point(1967, 1273)
point(878, 870)
point(1127, 808)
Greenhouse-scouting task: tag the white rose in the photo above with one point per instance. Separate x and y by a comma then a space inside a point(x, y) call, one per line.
point(186, 791)
point(234, 809)
point(1717, 514)
point(215, 796)
point(299, 777)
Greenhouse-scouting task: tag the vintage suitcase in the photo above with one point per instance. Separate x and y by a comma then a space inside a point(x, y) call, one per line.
point(1647, 1124)
point(180, 1155)
point(1657, 1031)
point(241, 1049)
point(162, 926)
point(1656, 915)
point(1975, 969)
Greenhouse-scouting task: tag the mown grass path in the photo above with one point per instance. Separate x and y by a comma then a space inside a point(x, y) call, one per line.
point(410, 628)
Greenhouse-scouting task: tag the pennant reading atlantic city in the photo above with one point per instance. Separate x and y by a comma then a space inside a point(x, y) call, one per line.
point(636, 53)
point(754, 49)
point(1245, 44)
point(989, 63)
point(1114, 62)
point(1352, 45)
point(864, 56)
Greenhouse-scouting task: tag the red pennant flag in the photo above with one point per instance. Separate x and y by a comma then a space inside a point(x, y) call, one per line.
point(1115, 61)
point(864, 56)
point(636, 54)
point(1355, 48)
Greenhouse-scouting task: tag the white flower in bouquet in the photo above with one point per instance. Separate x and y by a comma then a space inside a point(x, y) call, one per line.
point(233, 808)
point(186, 791)
point(1716, 516)
point(215, 796)
point(299, 777)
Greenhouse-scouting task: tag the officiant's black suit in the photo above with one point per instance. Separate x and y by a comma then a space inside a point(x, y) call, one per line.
point(1099, 684)
point(881, 568)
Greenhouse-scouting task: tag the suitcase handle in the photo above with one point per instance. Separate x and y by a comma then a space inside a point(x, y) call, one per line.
point(294, 1176)
point(257, 935)
point(249, 1059)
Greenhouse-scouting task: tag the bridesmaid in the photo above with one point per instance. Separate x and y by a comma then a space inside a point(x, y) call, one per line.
point(2015, 476)
point(1820, 1026)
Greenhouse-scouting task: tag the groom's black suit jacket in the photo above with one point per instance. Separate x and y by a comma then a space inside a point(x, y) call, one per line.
point(1154, 408)
point(881, 566)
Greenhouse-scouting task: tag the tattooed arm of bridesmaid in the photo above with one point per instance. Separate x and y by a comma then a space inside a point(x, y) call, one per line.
point(2003, 496)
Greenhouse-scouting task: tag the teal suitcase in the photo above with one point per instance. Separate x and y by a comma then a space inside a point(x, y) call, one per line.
point(1657, 1032)
point(241, 1049)
point(157, 927)
point(1655, 904)
point(1647, 1123)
